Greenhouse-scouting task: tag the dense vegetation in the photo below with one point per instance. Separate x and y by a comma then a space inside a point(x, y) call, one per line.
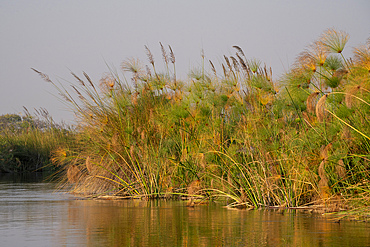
point(235, 133)
point(26, 142)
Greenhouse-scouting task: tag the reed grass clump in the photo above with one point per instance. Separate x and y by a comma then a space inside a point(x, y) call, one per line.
point(300, 141)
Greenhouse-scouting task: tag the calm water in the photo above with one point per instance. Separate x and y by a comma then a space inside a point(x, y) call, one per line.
point(32, 214)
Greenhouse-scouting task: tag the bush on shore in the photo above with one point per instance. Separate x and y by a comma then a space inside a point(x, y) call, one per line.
point(26, 142)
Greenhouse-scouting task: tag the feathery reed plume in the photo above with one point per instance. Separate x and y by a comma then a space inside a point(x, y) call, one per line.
point(43, 76)
point(348, 99)
point(78, 92)
point(45, 113)
point(243, 64)
point(305, 60)
point(270, 72)
point(172, 55)
point(37, 111)
point(89, 80)
point(132, 65)
point(173, 60)
point(224, 69)
point(73, 174)
point(318, 53)
point(320, 108)
point(239, 50)
point(314, 55)
point(28, 114)
point(310, 102)
point(78, 79)
point(65, 97)
point(228, 63)
point(340, 169)
point(164, 53)
point(213, 67)
point(150, 55)
point(235, 63)
point(334, 40)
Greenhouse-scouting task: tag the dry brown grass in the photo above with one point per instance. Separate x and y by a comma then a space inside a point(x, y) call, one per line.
point(311, 102)
point(323, 185)
point(349, 95)
point(73, 173)
point(88, 165)
point(320, 108)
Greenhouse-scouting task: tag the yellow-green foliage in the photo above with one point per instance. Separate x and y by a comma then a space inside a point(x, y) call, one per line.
point(302, 140)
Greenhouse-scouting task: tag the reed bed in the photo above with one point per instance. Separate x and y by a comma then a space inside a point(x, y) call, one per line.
point(229, 132)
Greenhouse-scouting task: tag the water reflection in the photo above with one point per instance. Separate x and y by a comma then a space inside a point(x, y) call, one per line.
point(31, 215)
point(142, 223)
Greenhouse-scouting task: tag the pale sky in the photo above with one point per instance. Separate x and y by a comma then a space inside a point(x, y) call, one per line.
point(57, 37)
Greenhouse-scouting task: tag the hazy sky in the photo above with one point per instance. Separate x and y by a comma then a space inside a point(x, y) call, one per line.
point(57, 37)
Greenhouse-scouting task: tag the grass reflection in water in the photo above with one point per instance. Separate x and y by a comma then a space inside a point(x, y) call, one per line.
point(171, 223)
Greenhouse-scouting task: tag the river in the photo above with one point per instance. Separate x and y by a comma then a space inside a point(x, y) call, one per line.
point(33, 213)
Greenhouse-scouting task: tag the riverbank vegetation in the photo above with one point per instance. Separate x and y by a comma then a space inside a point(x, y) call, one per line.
point(26, 142)
point(229, 131)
